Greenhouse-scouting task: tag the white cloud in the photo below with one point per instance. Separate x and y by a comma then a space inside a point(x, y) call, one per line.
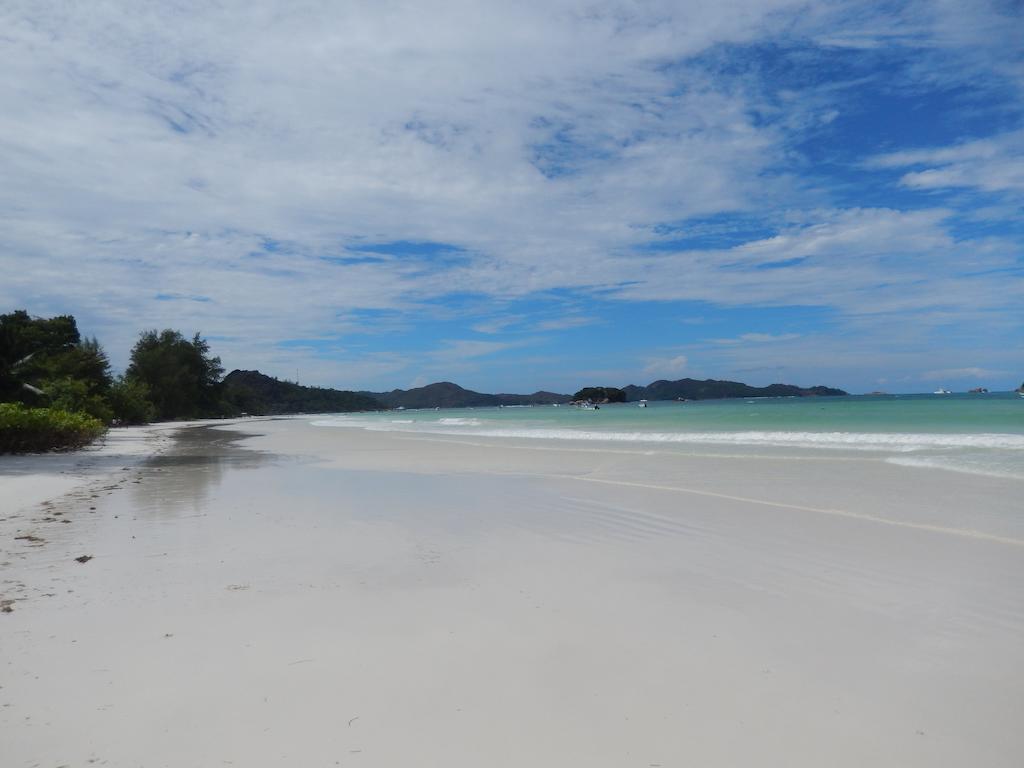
point(758, 338)
point(465, 349)
point(498, 324)
point(564, 323)
point(952, 374)
point(859, 263)
point(665, 366)
point(993, 164)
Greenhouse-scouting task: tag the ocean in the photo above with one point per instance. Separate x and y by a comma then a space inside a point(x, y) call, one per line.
point(977, 433)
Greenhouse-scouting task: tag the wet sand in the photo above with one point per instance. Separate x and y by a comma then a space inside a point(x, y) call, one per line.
point(279, 594)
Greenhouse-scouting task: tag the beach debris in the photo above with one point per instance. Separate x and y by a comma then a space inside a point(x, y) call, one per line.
point(6, 606)
point(83, 558)
point(352, 721)
point(30, 538)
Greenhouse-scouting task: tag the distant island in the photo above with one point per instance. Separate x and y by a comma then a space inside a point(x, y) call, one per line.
point(599, 395)
point(713, 389)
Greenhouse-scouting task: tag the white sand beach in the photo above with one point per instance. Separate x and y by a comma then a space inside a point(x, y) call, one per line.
point(269, 593)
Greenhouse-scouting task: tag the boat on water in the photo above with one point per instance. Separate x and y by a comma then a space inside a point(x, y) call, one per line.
point(642, 404)
point(942, 391)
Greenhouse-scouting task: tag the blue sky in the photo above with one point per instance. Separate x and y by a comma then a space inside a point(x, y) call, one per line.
point(530, 195)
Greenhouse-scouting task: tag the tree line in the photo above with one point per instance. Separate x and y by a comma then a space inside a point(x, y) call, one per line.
point(47, 363)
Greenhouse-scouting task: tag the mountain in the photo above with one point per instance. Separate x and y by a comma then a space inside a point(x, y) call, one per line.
point(445, 394)
point(258, 394)
point(712, 389)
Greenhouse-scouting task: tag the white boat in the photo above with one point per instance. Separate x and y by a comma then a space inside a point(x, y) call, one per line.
point(941, 391)
point(642, 404)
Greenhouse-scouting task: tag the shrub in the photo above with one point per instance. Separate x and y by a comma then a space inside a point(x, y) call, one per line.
point(29, 430)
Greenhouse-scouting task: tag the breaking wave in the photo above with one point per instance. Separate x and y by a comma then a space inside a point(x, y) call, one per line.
point(864, 441)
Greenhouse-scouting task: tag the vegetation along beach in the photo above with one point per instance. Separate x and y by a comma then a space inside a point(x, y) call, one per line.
point(563, 384)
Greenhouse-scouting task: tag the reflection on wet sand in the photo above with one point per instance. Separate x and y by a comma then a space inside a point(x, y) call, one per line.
point(179, 481)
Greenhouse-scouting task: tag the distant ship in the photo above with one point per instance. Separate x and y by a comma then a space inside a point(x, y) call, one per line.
point(642, 404)
point(941, 391)
point(978, 391)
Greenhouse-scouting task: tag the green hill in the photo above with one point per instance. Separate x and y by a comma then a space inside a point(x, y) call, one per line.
point(257, 394)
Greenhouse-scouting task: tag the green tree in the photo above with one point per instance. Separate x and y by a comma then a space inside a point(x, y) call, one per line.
point(85, 361)
point(129, 401)
point(27, 348)
point(77, 396)
point(182, 378)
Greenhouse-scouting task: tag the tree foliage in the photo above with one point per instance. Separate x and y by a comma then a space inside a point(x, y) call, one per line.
point(30, 347)
point(76, 396)
point(253, 393)
point(86, 362)
point(182, 379)
point(600, 395)
point(45, 362)
point(129, 401)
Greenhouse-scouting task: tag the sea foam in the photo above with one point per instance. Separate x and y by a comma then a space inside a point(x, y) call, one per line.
point(863, 441)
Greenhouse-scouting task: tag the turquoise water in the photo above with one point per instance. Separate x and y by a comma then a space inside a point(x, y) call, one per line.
point(975, 433)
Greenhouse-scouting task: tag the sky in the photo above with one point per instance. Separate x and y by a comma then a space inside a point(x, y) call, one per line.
point(530, 195)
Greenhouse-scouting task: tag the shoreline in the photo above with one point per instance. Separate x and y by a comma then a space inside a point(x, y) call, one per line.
point(265, 592)
point(33, 478)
